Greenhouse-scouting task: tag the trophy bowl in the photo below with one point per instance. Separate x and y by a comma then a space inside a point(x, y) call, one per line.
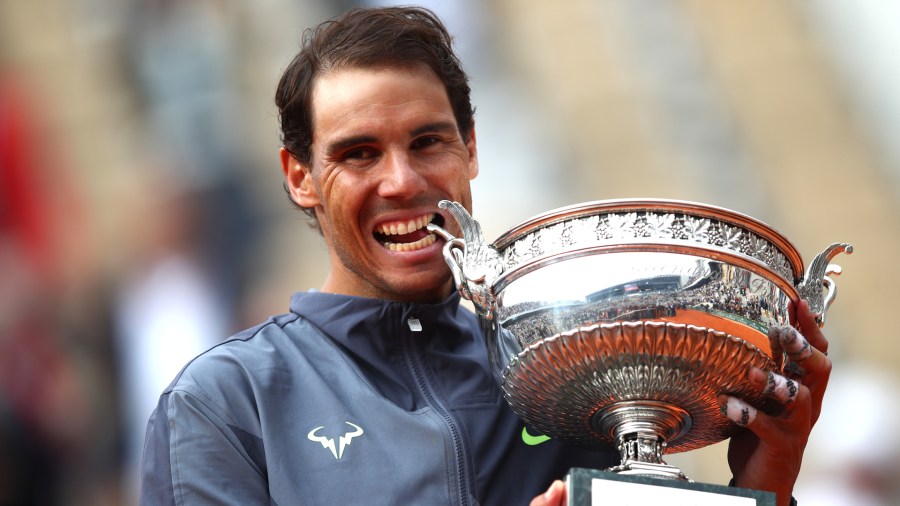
point(618, 323)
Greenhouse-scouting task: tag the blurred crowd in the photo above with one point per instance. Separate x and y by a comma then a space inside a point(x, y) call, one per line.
point(85, 346)
point(101, 305)
point(59, 374)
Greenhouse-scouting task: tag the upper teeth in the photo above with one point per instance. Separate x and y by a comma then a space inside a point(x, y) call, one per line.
point(406, 227)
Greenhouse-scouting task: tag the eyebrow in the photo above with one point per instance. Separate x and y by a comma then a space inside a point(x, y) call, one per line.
point(438, 126)
point(348, 142)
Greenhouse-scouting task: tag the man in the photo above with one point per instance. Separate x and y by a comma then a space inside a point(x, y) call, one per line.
point(376, 389)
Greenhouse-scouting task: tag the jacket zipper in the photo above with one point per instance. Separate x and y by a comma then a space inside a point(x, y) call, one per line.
point(415, 363)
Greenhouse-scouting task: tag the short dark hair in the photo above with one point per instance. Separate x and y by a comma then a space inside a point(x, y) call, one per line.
point(368, 38)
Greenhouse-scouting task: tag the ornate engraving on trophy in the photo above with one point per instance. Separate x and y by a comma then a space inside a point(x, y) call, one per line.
point(599, 229)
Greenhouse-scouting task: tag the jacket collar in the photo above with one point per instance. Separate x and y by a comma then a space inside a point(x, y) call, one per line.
point(349, 319)
point(376, 335)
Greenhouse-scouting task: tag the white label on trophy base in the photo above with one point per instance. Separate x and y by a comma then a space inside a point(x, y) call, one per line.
point(604, 492)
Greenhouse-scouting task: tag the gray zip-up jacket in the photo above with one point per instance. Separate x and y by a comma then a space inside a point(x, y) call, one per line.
point(347, 400)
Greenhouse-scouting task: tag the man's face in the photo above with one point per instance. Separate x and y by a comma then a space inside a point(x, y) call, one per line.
point(385, 150)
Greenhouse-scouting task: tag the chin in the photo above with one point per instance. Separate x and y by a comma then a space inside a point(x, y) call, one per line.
point(425, 292)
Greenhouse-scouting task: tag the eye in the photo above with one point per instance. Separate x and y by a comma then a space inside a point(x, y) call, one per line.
point(424, 142)
point(360, 153)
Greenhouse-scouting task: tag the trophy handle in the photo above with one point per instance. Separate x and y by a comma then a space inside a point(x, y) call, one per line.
point(816, 287)
point(474, 265)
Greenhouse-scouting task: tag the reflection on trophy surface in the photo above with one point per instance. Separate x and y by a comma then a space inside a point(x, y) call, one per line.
point(618, 323)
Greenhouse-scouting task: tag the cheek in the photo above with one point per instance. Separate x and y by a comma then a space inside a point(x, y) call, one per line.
point(463, 187)
point(342, 199)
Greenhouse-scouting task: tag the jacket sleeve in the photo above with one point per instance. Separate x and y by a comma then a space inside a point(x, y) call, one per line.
point(193, 455)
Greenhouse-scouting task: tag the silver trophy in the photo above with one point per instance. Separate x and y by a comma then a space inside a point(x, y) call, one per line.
point(618, 323)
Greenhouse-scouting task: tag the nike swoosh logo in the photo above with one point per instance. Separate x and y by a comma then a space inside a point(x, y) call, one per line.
point(532, 440)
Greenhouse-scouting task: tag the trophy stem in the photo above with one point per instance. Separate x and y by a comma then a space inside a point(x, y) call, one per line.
point(640, 430)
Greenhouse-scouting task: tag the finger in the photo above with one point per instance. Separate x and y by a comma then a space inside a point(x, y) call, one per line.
point(782, 434)
point(783, 389)
point(801, 352)
point(807, 322)
point(794, 344)
point(743, 414)
point(775, 385)
point(554, 496)
point(775, 343)
point(807, 358)
point(737, 410)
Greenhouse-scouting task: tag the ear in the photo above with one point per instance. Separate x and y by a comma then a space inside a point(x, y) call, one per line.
point(473, 155)
point(298, 177)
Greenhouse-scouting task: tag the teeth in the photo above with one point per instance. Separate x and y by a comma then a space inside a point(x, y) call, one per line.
point(428, 240)
point(405, 228)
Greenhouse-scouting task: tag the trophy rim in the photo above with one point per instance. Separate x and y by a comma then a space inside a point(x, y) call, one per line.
point(697, 209)
point(651, 246)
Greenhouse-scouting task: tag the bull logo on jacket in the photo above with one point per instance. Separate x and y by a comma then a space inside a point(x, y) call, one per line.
point(343, 441)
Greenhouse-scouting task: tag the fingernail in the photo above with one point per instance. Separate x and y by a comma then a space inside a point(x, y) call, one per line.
point(738, 411)
point(757, 376)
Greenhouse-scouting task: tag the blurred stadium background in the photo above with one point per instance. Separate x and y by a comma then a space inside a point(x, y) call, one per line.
point(142, 217)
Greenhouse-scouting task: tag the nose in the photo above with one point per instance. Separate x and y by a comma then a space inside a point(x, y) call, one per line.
point(400, 177)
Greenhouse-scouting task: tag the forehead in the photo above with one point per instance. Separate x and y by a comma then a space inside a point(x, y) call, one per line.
point(350, 95)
